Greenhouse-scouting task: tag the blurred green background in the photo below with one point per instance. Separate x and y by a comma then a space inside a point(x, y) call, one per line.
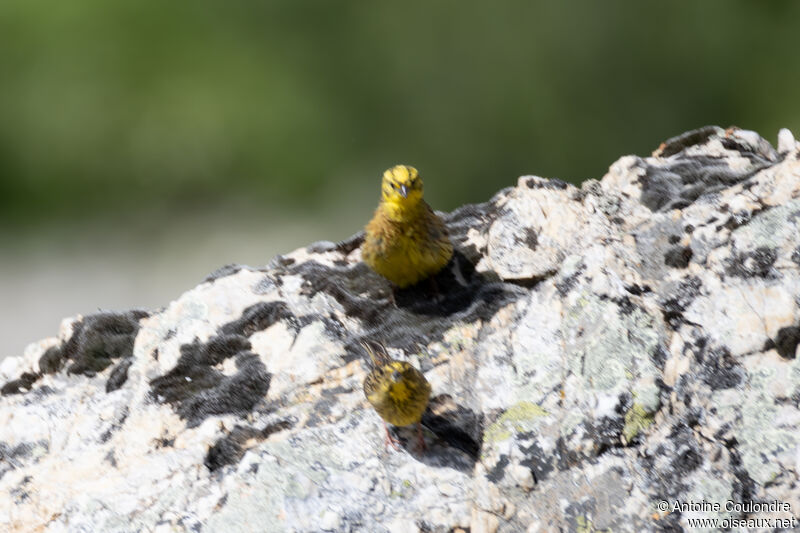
point(145, 143)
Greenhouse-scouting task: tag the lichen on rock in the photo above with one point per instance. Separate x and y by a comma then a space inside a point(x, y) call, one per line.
point(592, 352)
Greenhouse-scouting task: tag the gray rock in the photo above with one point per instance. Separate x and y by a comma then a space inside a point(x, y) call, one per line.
point(592, 353)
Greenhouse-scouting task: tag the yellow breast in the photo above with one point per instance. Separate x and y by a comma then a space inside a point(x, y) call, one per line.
point(404, 251)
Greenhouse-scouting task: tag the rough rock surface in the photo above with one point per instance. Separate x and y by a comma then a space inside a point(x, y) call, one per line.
point(592, 352)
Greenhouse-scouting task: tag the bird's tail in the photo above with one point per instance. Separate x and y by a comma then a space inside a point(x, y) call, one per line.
point(376, 351)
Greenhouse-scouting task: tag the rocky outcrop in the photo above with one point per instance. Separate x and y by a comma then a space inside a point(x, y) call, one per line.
point(593, 353)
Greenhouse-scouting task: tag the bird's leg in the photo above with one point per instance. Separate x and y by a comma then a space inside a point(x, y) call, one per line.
point(434, 288)
point(389, 439)
point(420, 438)
point(433, 285)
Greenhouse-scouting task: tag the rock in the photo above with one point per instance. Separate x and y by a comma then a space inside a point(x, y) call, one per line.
point(331, 521)
point(592, 352)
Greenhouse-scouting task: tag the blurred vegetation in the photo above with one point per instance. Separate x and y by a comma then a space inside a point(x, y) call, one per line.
point(148, 106)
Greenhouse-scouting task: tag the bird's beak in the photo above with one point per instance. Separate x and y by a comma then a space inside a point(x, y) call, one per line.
point(404, 191)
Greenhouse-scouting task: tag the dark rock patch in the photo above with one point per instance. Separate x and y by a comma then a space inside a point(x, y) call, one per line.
point(530, 240)
point(259, 317)
point(678, 299)
point(755, 263)
point(20, 385)
point(350, 244)
point(655, 245)
point(51, 360)
point(762, 153)
point(498, 471)
point(671, 523)
point(677, 144)
point(796, 256)
point(540, 463)
point(236, 394)
point(740, 218)
point(606, 432)
point(119, 375)
point(99, 339)
point(281, 261)
point(680, 183)
point(543, 183)
point(637, 290)
point(625, 304)
point(688, 456)
point(744, 487)
point(477, 217)
point(96, 341)
point(567, 458)
point(321, 247)
point(360, 291)
point(786, 341)
point(106, 435)
point(11, 457)
point(566, 284)
point(719, 370)
point(678, 256)
point(684, 177)
point(231, 448)
point(457, 293)
point(659, 356)
point(222, 272)
point(198, 390)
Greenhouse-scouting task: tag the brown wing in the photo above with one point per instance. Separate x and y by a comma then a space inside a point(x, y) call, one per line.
point(372, 382)
point(374, 237)
point(438, 240)
point(437, 230)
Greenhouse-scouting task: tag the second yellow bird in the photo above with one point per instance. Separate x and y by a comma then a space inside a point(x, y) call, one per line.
point(405, 241)
point(398, 392)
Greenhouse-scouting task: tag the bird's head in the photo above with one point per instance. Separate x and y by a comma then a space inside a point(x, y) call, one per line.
point(397, 381)
point(401, 188)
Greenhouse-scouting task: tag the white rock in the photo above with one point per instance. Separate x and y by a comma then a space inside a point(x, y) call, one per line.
point(660, 301)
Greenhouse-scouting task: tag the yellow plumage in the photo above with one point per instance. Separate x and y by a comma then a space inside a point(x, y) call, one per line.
point(398, 391)
point(405, 241)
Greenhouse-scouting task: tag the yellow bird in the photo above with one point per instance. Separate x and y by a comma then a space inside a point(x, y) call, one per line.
point(398, 392)
point(405, 241)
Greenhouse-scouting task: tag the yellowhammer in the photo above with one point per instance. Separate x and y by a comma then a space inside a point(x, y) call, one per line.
point(405, 241)
point(398, 392)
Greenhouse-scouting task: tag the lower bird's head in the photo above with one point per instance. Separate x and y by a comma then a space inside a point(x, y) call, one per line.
point(396, 380)
point(402, 187)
